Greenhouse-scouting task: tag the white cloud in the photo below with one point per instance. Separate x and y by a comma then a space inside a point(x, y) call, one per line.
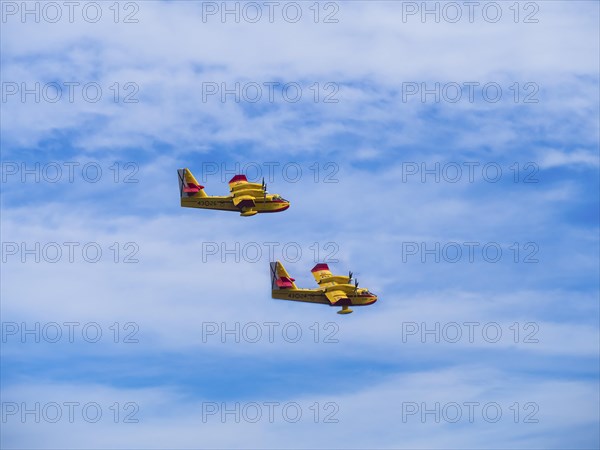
point(369, 45)
point(578, 158)
point(369, 415)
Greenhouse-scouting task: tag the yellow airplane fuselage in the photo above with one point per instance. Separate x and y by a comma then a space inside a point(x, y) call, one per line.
point(225, 203)
point(318, 296)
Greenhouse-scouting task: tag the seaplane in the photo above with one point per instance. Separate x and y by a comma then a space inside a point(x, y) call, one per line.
point(333, 290)
point(246, 198)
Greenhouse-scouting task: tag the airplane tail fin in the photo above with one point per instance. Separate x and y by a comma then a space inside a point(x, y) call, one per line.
point(188, 185)
point(280, 279)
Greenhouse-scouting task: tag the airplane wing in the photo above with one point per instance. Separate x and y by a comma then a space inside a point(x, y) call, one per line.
point(244, 201)
point(321, 271)
point(244, 193)
point(336, 296)
point(240, 183)
point(324, 277)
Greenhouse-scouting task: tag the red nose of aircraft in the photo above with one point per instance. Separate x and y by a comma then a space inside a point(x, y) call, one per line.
point(283, 204)
point(371, 298)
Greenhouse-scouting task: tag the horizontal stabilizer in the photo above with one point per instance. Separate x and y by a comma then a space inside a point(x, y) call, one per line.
point(188, 185)
point(280, 279)
point(285, 282)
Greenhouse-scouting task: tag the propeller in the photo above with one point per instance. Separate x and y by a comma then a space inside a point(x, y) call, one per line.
point(355, 286)
point(264, 187)
point(349, 276)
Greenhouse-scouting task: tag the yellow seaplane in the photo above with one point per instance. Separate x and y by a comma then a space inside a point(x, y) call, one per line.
point(334, 290)
point(246, 198)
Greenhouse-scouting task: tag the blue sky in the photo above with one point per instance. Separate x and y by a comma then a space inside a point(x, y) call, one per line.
point(377, 218)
